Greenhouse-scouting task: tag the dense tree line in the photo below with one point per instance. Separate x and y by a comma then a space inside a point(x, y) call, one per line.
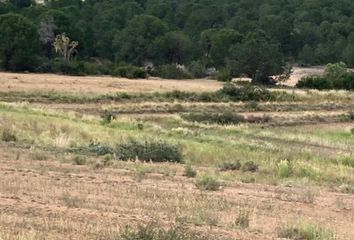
point(254, 38)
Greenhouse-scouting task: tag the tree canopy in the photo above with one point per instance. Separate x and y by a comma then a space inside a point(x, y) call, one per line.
point(252, 38)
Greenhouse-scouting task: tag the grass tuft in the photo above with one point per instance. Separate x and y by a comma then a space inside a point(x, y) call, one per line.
point(305, 231)
point(207, 182)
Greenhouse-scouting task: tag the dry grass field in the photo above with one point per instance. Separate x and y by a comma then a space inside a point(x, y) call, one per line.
point(286, 171)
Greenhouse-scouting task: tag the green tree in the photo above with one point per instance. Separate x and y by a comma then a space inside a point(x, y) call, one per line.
point(18, 42)
point(216, 44)
point(135, 43)
point(174, 47)
point(259, 57)
point(21, 3)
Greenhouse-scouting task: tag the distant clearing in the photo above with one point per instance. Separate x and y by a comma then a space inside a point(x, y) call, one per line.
point(106, 84)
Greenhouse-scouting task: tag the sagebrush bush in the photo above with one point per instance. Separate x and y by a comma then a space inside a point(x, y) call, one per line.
point(8, 135)
point(249, 166)
point(230, 166)
point(100, 149)
point(156, 151)
point(207, 182)
point(218, 118)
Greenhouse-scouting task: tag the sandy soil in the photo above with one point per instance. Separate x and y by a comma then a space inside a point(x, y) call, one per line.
point(106, 84)
point(300, 72)
point(60, 201)
point(103, 84)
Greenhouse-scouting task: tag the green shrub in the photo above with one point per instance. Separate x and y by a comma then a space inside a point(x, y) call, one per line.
point(130, 72)
point(230, 166)
point(284, 169)
point(345, 81)
point(171, 72)
point(76, 68)
point(249, 167)
point(305, 231)
point(197, 69)
point(107, 117)
point(8, 135)
point(157, 151)
point(207, 182)
point(153, 232)
point(189, 171)
point(218, 118)
point(246, 93)
point(79, 160)
point(99, 149)
point(224, 75)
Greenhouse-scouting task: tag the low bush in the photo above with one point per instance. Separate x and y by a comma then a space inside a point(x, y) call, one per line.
point(156, 151)
point(230, 166)
point(100, 149)
point(218, 118)
point(249, 167)
point(107, 117)
point(130, 72)
point(207, 182)
point(305, 231)
point(189, 171)
point(345, 81)
point(75, 68)
point(153, 232)
point(246, 93)
point(171, 72)
point(8, 135)
point(224, 75)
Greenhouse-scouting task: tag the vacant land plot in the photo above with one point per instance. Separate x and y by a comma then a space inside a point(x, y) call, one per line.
point(78, 167)
point(104, 84)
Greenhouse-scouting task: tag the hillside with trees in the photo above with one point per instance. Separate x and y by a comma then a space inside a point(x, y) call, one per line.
point(235, 37)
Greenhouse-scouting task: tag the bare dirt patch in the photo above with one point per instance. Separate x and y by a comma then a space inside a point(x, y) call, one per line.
point(102, 84)
point(60, 201)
